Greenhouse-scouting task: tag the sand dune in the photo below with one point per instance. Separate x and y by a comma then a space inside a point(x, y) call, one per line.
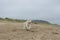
point(14, 31)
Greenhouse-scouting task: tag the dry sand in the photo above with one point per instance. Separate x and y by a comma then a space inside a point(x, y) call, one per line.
point(14, 31)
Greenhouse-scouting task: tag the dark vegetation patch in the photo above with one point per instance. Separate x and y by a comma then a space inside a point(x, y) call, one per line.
point(12, 20)
point(55, 33)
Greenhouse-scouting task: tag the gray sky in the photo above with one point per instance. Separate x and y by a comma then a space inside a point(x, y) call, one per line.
point(34, 9)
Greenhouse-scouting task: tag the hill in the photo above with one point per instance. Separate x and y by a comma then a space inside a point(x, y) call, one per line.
point(40, 21)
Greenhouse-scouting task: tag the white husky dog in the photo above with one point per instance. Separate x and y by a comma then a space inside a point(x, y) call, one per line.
point(27, 25)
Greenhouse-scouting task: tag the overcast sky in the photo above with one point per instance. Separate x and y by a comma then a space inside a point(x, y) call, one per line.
point(34, 9)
